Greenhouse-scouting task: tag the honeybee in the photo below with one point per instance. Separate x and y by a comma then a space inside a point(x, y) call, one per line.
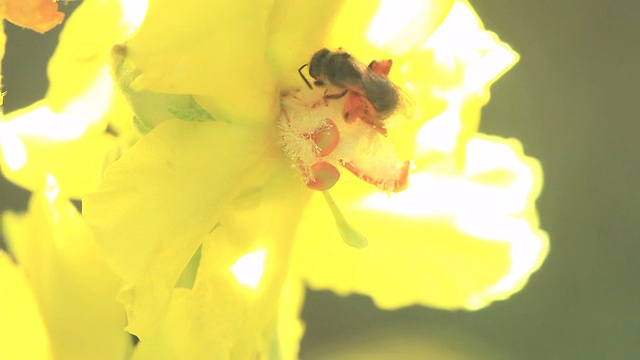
point(371, 96)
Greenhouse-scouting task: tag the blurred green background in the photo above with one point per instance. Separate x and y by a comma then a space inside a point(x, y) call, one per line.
point(573, 102)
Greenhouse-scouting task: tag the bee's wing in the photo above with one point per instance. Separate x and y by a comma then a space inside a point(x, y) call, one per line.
point(407, 103)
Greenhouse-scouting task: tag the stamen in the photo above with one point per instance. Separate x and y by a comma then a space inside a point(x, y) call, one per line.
point(320, 133)
point(350, 236)
point(326, 139)
point(323, 176)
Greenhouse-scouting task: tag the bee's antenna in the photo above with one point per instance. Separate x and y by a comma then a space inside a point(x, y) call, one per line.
point(304, 77)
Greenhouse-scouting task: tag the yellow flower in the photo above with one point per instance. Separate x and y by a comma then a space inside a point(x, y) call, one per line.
point(22, 331)
point(59, 301)
point(209, 222)
point(63, 136)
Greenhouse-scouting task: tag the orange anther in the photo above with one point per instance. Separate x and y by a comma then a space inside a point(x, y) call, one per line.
point(326, 139)
point(324, 176)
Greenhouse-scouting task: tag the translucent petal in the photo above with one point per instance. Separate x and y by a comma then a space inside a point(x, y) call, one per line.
point(72, 284)
point(22, 331)
point(206, 58)
point(162, 196)
point(451, 240)
point(455, 67)
point(36, 142)
point(225, 316)
point(387, 28)
point(449, 76)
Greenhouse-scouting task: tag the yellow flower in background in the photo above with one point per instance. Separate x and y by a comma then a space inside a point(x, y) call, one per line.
point(63, 136)
point(22, 331)
point(69, 281)
point(207, 218)
point(58, 299)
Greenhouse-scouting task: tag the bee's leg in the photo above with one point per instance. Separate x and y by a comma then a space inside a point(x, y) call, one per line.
point(354, 107)
point(335, 96)
point(304, 77)
point(370, 117)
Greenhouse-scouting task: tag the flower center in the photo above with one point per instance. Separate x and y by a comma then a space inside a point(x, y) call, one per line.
point(324, 134)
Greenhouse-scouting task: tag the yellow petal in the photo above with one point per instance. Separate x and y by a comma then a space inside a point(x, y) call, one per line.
point(176, 337)
point(63, 135)
point(368, 30)
point(387, 28)
point(297, 29)
point(455, 67)
point(22, 331)
point(462, 42)
point(289, 327)
point(37, 143)
point(74, 288)
point(233, 305)
point(80, 65)
point(151, 108)
point(192, 47)
point(449, 78)
point(450, 240)
point(162, 196)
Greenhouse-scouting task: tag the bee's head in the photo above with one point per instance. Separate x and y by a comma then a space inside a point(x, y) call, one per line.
point(316, 65)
